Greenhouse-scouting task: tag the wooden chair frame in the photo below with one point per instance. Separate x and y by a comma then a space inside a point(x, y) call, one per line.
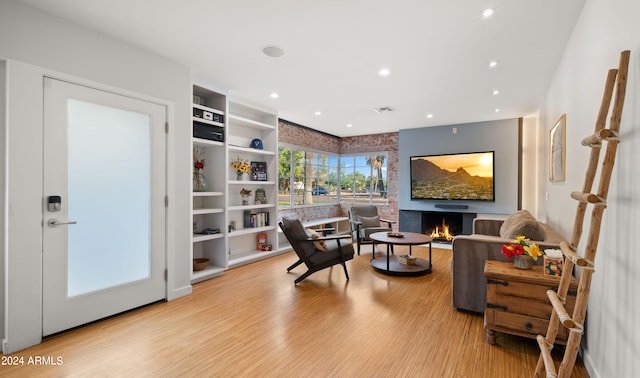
point(305, 258)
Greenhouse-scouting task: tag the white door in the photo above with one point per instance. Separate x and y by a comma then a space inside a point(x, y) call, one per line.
point(103, 207)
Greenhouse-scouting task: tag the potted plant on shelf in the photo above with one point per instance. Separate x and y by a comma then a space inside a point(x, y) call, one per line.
point(245, 193)
point(240, 167)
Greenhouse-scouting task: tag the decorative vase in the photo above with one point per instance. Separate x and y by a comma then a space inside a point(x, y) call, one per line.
point(239, 176)
point(245, 200)
point(523, 262)
point(200, 182)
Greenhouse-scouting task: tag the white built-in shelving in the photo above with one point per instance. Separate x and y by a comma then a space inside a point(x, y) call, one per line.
point(208, 209)
point(233, 227)
point(246, 123)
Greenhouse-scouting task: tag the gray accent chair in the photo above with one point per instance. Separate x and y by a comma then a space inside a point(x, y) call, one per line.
point(469, 253)
point(339, 248)
point(365, 221)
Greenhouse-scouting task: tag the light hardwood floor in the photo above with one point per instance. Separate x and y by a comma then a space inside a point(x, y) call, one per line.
point(253, 322)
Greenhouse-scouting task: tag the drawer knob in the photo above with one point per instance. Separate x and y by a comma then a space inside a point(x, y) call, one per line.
point(528, 325)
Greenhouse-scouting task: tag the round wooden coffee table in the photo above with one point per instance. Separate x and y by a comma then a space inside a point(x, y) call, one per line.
point(393, 267)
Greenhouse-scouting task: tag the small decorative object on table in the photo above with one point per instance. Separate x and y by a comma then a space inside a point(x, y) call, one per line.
point(245, 193)
point(407, 260)
point(395, 235)
point(523, 251)
point(200, 182)
point(553, 261)
point(240, 167)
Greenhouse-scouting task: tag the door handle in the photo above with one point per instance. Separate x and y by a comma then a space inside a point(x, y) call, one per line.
point(55, 223)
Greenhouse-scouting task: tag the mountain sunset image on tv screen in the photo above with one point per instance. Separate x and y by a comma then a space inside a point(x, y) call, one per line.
point(463, 176)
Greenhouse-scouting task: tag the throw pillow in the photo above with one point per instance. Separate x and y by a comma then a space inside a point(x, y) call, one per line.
point(522, 223)
point(370, 221)
point(320, 244)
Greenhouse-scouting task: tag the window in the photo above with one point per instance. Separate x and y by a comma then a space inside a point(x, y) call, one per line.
point(306, 177)
point(363, 178)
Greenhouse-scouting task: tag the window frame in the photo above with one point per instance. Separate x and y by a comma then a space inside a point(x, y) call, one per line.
point(357, 197)
point(324, 197)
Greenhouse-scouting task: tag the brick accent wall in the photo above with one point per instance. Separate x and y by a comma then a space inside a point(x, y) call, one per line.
point(303, 137)
point(387, 142)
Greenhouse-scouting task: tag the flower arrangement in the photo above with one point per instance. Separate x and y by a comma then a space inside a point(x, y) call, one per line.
point(245, 193)
point(199, 164)
point(200, 182)
point(521, 246)
point(240, 166)
point(198, 161)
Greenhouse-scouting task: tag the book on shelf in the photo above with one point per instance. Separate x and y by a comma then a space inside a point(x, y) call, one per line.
point(253, 220)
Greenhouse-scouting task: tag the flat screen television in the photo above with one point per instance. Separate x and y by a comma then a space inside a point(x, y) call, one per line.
point(461, 176)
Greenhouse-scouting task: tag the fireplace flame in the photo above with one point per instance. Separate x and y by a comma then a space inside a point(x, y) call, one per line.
point(444, 234)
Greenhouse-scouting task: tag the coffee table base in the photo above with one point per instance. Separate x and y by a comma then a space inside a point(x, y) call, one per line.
point(420, 268)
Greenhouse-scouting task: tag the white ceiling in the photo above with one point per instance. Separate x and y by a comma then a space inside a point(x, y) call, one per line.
point(438, 52)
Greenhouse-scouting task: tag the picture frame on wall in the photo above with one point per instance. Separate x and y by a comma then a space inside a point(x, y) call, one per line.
point(557, 150)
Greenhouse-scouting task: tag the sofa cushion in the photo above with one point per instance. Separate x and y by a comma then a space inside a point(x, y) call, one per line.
point(370, 221)
point(522, 223)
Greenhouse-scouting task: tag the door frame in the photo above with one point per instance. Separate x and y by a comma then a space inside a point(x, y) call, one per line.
point(24, 202)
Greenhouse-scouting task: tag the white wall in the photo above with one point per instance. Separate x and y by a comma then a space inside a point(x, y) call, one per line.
point(605, 28)
point(3, 161)
point(50, 45)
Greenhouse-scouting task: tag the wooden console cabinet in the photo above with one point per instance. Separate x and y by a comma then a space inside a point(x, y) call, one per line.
point(517, 301)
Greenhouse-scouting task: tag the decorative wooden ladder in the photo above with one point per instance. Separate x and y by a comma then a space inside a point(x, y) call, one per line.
point(575, 322)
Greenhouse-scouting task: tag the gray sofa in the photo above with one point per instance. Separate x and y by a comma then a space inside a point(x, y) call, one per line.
point(469, 253)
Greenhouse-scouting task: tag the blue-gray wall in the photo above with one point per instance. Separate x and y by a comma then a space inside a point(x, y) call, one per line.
point(499, 136)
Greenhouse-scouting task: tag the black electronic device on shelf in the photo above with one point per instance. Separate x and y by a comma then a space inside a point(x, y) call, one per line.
point(210, 132)
point(209, 116)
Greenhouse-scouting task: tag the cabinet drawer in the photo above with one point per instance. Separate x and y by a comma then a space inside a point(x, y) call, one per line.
point(517, 322)
point(535, 302)
point(521, 306)
point(521, 289)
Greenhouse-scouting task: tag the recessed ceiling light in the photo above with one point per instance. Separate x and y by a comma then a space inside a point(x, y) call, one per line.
point(487, 13)
point(497, 110)
point(273, 51)
point(429, 115)
point(274, 95)
point(493, 63)
point(384, 72)
point(349, 125)
point(496, 92)
point(318, 113)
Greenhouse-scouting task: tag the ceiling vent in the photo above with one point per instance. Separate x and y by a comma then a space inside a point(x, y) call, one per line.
point(383, 109)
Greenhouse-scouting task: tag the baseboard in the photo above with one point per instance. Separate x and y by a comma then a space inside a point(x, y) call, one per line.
point(588, 364)
point(180, 292)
